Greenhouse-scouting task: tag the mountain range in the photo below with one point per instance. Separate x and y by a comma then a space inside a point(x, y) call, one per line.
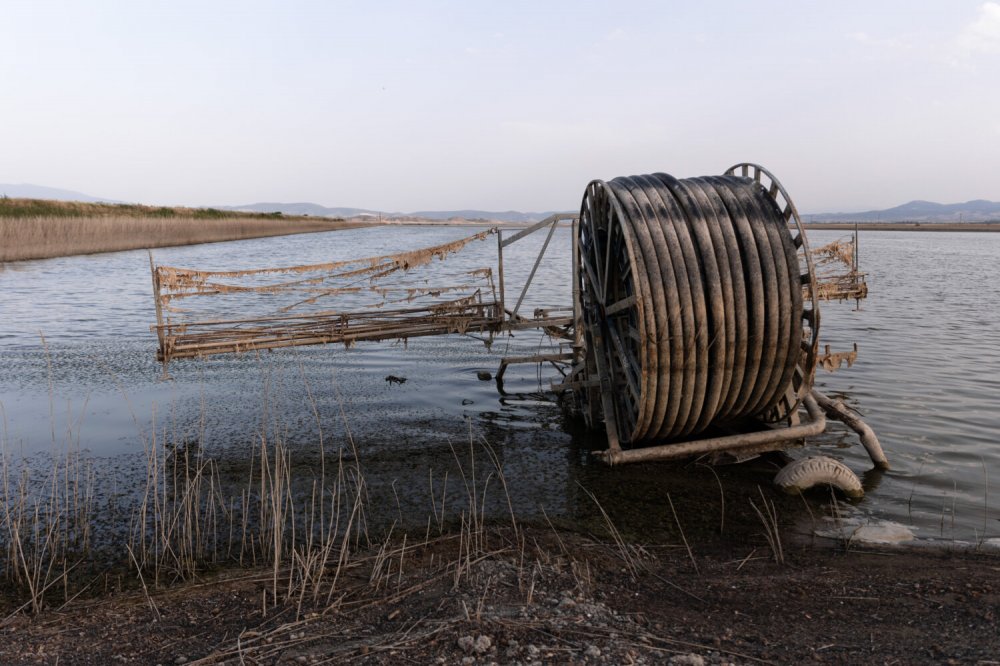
point(978, 210)
point(27, 191)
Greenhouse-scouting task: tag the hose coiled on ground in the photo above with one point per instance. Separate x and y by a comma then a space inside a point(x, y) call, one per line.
point(693, 305)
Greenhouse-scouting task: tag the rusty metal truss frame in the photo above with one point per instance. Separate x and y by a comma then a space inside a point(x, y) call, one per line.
point(479, 305)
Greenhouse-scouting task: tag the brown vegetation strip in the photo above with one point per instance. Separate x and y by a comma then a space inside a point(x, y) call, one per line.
point(15, 207)
point(57, 236)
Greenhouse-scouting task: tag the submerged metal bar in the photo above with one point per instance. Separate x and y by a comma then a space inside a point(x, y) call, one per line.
point(524, 323)
point(537, 358)
point(408, 330)
point(814, 426)
point(162, 354)
point(577, 308)
point(607, 403)
point(500, 269)
point(156, 298)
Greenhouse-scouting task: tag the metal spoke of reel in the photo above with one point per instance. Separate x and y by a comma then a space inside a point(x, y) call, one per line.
point(619, 317)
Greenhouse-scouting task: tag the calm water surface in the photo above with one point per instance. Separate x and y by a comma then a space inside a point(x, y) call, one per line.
point(78, 370)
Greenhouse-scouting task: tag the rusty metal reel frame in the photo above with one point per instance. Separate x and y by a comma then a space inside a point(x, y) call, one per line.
point(615, 323)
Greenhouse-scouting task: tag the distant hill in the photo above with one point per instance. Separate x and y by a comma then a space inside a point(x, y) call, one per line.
point(501, 216)
point(317, 210)
point(28, 191)
point(979, 210)
point(304, 208)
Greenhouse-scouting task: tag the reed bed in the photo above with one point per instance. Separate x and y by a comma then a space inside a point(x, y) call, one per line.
point(303, 528)
point(43, 237)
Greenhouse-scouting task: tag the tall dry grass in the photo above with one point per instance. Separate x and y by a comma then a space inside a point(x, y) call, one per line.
point(23, 238)
point(305, 526)
point(189, 519)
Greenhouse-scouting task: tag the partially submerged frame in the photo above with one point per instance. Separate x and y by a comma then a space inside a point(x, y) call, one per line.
point(481, 306)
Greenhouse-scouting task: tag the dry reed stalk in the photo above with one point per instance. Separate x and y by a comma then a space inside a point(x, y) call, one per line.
point(986, 503)
point(722, 497)
point(769, 519)
point(680, 528)
point(623, 550)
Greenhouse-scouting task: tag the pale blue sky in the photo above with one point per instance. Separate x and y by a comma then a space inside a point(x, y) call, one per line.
point(500, 105)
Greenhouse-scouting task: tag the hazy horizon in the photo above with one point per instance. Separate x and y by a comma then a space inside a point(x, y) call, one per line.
point(35, 191)
point(442, 105)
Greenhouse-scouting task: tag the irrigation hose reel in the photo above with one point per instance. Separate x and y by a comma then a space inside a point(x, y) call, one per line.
point(698, 304)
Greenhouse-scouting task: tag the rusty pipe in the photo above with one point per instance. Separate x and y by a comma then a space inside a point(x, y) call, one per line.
point(815, 425)
point(836, 409)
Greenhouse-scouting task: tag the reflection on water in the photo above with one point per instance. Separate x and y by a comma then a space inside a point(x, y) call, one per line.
point(77, 365)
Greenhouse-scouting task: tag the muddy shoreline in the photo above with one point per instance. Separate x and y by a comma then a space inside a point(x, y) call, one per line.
point(537, 594)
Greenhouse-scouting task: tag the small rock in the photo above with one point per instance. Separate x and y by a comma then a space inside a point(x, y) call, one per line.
point(181, 660)
point(484, 375)
point(482, 645)
point(466, 401)
point(533, 651)
point(466, 643)
point(687, 660)
point(468, 661)
point(593, 652)
point(566, 602)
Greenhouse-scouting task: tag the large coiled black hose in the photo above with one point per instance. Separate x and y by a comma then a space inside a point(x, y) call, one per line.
point(692, 298)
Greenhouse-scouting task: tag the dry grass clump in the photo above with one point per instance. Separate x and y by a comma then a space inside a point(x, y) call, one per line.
point(23, 238)
point(303, 528)
point(187, 518)
point(45, 525)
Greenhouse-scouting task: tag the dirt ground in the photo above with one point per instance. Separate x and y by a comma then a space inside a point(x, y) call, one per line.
point(530, 595)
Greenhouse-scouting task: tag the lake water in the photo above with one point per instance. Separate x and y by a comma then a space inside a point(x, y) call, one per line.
point(78, 370)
